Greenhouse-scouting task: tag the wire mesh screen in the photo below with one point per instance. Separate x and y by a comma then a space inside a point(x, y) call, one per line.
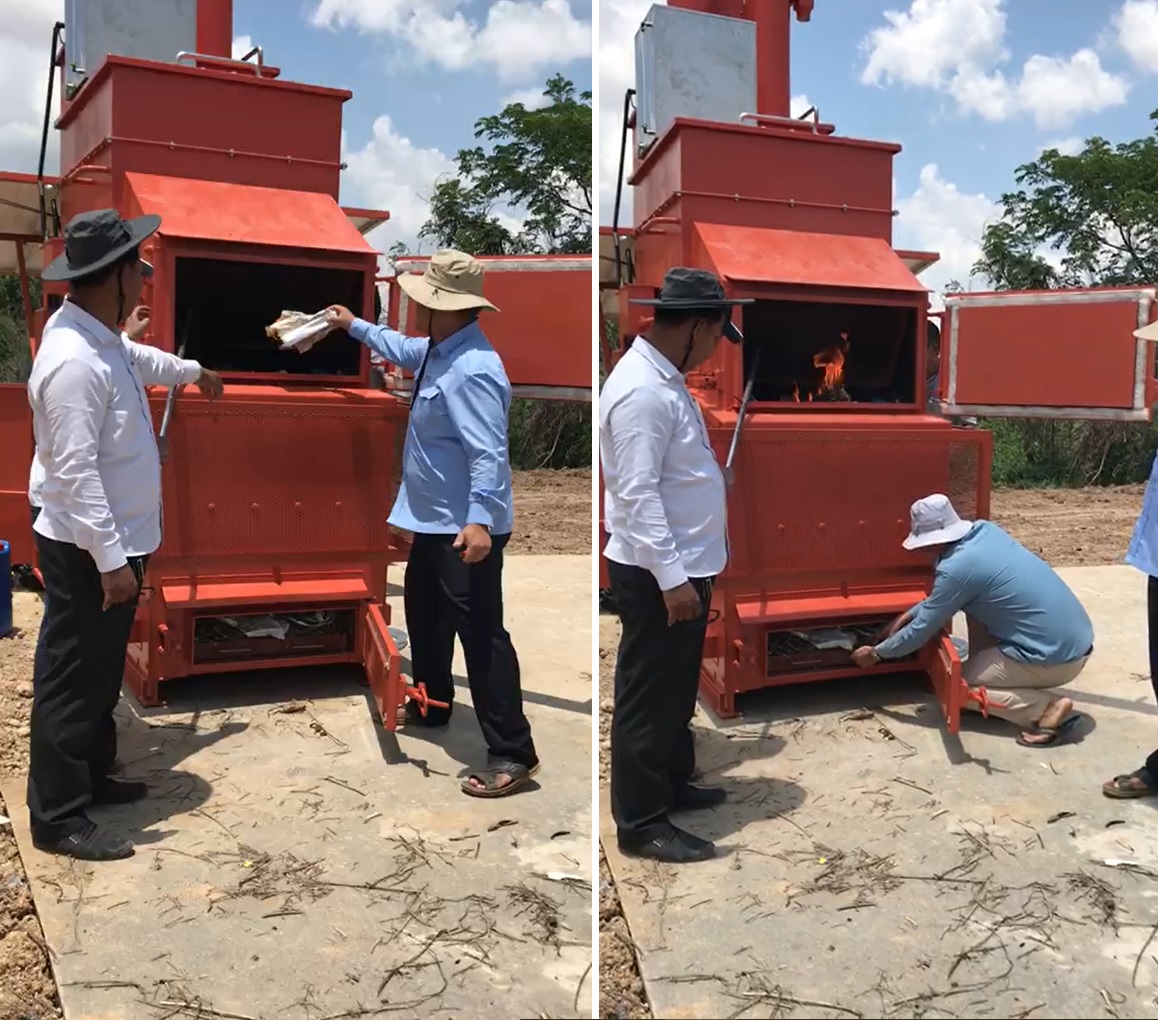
point(825, 501)
point(268, 480)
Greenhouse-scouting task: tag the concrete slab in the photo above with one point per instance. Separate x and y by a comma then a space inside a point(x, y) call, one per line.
point(302, 864)
point(873, 867)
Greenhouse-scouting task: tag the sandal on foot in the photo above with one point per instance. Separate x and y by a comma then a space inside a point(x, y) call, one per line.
point(519, 776)
point(1120, 788)
point(1053, 734)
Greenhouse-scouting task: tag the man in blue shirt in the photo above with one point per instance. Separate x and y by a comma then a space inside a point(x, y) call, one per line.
point(1028, 633)
point(1143, 555)
point(456, 499)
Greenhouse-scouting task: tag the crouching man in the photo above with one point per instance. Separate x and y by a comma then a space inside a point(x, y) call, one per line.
point(1028, 633)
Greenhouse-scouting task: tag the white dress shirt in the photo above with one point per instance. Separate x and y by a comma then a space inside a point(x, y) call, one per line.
point(97, 471)
point(665, 505)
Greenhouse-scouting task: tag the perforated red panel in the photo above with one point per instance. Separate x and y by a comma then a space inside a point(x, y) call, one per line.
point(266, 480)
point(834, 504)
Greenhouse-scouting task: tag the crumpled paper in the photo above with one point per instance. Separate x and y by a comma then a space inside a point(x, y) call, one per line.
point(299, 331)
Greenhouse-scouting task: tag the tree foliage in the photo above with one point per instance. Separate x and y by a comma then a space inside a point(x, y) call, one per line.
point(15, 356)
point(533, 166)
point(1096, 213)
point(534, 163)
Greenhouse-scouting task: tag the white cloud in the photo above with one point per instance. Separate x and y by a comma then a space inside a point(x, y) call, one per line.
point(242, 44)
point(1135, 27)
point(797, 105)
point(390, 172)
point(25, 34)
point(532, 99)
point(958, 48)
point(937, 217)
point(1070, 146)
point(517, 40)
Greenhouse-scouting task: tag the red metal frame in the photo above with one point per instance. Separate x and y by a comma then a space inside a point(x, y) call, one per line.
point(792, 211)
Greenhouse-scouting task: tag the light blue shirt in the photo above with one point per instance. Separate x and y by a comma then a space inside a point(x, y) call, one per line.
point(1143, 551)
point(455, 465)
point(1015, 595)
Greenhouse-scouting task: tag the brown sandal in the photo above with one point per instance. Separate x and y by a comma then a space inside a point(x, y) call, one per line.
point(519, 776)
point(1120, 788)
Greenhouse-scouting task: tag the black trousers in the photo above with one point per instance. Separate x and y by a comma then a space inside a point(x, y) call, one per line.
point(77, 672)
point(443, 597)
point(657, 675)
point(1152, 630)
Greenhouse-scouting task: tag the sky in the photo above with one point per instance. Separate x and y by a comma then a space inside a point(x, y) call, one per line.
point(971, 88)
point(422, 73)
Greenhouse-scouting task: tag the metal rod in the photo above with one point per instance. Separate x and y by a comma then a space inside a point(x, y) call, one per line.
point(57, 29)
point(208, 58)
point(171, 399)
point(743, 411)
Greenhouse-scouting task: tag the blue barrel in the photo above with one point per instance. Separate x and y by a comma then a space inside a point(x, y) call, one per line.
point(5, 589)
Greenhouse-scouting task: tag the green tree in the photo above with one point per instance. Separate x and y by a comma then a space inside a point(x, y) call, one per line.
point(537, 164)
point(15, 356)
point(1098, 211)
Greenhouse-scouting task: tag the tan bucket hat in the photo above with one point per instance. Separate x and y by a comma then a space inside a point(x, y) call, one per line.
point(453, 282)
point(1147, 332)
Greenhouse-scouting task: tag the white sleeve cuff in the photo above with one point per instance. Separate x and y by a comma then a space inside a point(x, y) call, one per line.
point(190, 371)
point(109, 557)
point(670, 575)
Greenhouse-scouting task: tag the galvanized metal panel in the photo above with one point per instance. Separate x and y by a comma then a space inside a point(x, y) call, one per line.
point(148, 29)
point(689, 64)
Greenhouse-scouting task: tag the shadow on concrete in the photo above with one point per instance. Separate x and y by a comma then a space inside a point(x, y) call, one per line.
point(151, 752)
point(719, 756)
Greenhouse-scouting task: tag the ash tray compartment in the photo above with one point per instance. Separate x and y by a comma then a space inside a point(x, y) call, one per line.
point(237, 637)
point(819, 648)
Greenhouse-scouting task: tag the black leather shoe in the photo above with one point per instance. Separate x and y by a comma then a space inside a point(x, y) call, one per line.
point(671, 847)
point(694, 798)
point(92, 843)
point(118, 791)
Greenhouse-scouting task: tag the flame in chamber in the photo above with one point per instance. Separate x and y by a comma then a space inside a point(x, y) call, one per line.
point(830, 363)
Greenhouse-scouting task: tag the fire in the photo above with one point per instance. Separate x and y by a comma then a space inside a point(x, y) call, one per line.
point(830, 362)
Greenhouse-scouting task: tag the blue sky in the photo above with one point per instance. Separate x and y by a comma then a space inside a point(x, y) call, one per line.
point(970, 88)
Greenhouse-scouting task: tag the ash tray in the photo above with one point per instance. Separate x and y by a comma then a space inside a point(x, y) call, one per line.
point(962, 646)
point(401, 640)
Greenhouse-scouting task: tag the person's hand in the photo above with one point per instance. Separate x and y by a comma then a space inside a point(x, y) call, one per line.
point(119, 585)
point(474, 541)
point(890, 628)
point(138, 321)
point(209, 383)
point(683, 603)
point(866, 657)
point(340, 317)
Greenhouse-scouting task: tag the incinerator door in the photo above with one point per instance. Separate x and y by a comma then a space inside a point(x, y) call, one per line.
point(1067, 354)
point(543, 327)
point(15, 463)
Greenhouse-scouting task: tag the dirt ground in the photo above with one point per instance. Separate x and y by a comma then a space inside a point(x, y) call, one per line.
point(1081, 527)
point(554, 517)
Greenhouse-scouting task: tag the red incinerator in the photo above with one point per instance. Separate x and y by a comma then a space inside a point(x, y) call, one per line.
point(835, 441)
point(276, 545)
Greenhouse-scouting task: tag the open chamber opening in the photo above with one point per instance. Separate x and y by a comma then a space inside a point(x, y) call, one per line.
point(223, 307)
point(831, 353)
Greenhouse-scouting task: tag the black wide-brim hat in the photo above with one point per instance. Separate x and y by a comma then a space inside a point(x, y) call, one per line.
point(96, 240)
point(685, 288)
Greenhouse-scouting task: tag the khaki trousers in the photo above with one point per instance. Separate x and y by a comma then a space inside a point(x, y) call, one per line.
point(1019, 692)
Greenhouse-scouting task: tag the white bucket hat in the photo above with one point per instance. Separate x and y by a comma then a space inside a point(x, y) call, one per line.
point(934, 521)
point(453, 282)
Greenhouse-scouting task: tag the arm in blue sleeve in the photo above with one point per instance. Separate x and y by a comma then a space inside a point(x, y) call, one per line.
point(404, 351)
point(949, 595)
point(477, 405)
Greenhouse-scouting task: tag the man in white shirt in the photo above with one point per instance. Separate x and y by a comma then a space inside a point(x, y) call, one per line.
point(666, 514)
point(99, 487)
